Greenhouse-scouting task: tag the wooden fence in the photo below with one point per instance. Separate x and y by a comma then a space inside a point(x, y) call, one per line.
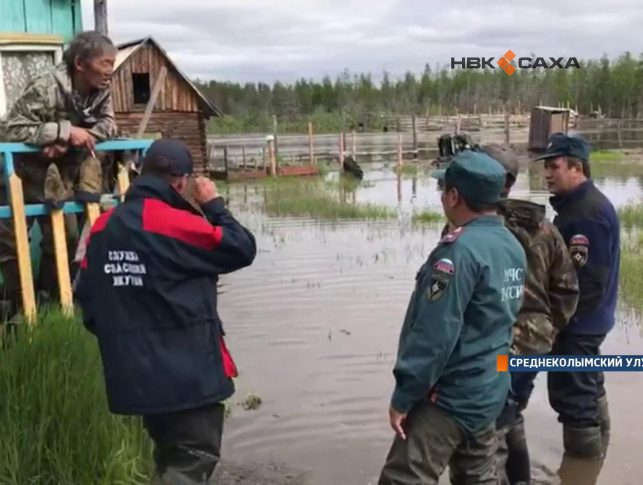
point(417, 137)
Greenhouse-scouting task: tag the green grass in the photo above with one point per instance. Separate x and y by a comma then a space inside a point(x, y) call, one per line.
point(407, 169)
point(631, 267)
point(614, 163)
point(631, 215)
point(607, 156)
point(315, 199)
point(427, 217)
point(54, 424)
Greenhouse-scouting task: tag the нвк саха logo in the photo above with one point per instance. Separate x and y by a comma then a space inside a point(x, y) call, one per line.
point(505, 62)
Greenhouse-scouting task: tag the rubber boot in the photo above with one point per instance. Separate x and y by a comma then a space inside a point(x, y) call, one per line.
point(604, 415)
point(90, 180)
point(54, 188)
point(584, 443)
point(518, 467)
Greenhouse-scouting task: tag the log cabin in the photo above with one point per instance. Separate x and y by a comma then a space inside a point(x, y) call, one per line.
point(181, 110)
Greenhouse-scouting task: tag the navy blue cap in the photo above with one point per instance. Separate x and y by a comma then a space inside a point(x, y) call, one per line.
point(563, 145)
point(174, 150)
point(476, 175)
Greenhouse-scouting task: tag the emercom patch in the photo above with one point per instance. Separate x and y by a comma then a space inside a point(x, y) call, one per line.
point(579, 250)
point(441, 276)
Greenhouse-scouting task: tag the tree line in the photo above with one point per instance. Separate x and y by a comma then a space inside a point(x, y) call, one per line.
point(613, 87)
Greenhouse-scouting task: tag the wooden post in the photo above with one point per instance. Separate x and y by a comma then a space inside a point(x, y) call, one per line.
point(156, 90)
point(62, 260)
point(22, 247)
point(100, 15)
point(243, 156)
point(341, 150)
point(400, 156)
point(507, 137)
point(311, 145)
point(458, 124)
point(225, 159)
point(122, 181)
point(353, 144)
point(618, 133)
point(415, 137)
point(274, 135)
point(272, 155)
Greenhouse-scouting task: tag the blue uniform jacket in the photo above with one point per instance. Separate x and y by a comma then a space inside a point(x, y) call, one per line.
point(589, 224)
point(147, 289)
point(460, 318)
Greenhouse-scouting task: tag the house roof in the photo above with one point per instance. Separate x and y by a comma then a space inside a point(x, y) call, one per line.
point(126, 50)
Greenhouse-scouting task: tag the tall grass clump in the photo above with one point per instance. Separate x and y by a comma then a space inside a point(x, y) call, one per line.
point(631, 268)
point(631, 215)
point(312, 198)
point(607, 156)
point(55, 428)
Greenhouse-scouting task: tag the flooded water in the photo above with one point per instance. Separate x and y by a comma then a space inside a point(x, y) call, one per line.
point(314, 327)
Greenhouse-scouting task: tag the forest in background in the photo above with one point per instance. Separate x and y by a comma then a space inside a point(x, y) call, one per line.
point(613, 87)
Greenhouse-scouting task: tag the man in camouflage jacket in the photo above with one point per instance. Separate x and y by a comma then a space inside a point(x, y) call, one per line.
point(65, 112)
point(550, 300)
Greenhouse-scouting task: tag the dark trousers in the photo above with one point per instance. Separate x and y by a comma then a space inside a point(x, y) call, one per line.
point(187, 444)
point(435, 440)
point(574, 395)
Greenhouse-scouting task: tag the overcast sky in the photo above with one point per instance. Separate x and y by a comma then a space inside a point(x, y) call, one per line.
point(268, 40)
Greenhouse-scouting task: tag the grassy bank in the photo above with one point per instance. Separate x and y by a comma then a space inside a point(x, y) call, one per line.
point(313, 198)
point(428, 217)
point(631, 283)
point(54, 424)
point(615, 163)
point(631, 215)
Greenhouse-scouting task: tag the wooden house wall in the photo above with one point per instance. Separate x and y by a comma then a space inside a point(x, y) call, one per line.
point(185, 126)
point(52, 17)
point(175, 95)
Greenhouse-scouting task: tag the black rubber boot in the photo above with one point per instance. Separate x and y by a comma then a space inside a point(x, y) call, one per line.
point(604, 414)
point(518, 467)
point(584, 443)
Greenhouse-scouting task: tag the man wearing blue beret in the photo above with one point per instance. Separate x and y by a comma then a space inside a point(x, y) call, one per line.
point(589, 224)
point(448, 391)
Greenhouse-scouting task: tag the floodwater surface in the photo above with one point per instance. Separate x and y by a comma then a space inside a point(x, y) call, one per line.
point(314, 323)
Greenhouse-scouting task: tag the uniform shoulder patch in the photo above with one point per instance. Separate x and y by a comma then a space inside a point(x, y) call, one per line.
point(579, 250)
point(579, 240)
point(442, 272)
point(451, 236)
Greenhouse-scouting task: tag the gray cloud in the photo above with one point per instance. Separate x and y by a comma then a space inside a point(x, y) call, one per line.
point(267, 40)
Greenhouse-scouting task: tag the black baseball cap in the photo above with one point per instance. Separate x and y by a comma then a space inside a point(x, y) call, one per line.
point(561, 144)
point(175, 151)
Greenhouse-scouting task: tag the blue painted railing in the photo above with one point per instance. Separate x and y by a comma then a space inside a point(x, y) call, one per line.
point(7, 150)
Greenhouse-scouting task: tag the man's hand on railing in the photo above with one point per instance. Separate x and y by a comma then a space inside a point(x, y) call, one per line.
point(55, 150)
point(80, 137)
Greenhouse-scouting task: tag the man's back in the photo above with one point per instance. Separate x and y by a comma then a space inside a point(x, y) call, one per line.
point(551, 287)
point(488, 257)
point(148, 291)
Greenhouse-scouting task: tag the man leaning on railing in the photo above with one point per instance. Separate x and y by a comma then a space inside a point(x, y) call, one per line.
point(65, 111)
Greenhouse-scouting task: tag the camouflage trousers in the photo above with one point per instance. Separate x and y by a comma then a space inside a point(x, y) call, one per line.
point(32, 171)
point(187, 444)
point(435, 440)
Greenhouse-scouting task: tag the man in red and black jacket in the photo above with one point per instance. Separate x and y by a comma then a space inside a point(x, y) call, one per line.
point(147, 289)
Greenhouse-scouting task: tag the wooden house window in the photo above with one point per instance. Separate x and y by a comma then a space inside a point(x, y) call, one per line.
point(141, 83)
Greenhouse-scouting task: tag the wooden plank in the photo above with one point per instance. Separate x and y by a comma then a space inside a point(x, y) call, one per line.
point(150, 105)
point(62, 18)
point(62, 260)
point(13, 17)
point(22, 247)
point(38, 16)
point(92, 210)
point(122, 181)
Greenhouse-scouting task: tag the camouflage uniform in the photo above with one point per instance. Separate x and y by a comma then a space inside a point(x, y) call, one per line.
point(43, 115)
point(551, 297)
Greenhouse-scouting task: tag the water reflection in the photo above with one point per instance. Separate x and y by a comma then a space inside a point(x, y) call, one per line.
point(314, 326)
